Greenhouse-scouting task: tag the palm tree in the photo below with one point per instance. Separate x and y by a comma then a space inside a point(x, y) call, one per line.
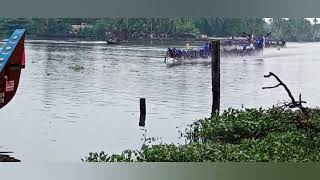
point(316, 28)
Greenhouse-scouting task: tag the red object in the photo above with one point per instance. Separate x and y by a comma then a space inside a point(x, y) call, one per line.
point(10, 74)
point(23, 63)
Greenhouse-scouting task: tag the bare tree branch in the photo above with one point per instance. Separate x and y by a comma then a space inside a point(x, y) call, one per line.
point(293, 103)
point(271, 87)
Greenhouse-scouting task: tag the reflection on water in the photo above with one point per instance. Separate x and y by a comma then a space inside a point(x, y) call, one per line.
point(59, 114)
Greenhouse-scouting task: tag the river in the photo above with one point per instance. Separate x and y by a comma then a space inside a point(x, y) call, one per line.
point(60, 115)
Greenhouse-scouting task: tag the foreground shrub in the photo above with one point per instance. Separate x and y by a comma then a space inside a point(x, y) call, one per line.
point(237, 135)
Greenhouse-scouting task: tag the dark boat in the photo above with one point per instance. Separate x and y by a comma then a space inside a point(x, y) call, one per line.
point(112, 41)
point(12, 60)
point(115, 42)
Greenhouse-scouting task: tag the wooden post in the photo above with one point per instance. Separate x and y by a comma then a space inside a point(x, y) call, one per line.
point(215, 75)
point(142, 112)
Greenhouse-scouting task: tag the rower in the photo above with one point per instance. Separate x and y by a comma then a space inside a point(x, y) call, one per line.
point(174, 54)
point(179, 53)
point(282, 41)
point(170, 52)
point(259, 44)
point(244, 46)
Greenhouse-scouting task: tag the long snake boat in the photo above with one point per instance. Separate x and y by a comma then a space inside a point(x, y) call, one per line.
point(202, 55)
point(269, 42)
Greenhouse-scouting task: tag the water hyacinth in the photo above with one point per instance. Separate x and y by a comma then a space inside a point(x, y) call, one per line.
point(76, 67)
point(250, 135)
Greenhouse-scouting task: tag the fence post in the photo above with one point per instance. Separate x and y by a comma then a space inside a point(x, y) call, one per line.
point(215, 75)
point(142, 112)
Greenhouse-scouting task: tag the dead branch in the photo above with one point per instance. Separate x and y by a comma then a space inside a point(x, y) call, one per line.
point(293, 103)
point(271, 87)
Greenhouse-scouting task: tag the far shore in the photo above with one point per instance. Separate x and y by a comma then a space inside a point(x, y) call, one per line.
point(67, 37)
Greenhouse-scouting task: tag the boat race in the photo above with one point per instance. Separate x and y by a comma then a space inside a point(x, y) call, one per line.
point(159, 89)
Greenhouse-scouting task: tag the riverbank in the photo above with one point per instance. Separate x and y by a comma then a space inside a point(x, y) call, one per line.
point(68, 37)
point(79, 38)
point(258, 135)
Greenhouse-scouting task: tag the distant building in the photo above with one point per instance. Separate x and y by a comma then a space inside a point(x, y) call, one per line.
point(75, 29)
point(204, 36)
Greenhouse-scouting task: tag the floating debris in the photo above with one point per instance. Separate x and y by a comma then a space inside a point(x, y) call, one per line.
point(76, 67)
point(134, 69)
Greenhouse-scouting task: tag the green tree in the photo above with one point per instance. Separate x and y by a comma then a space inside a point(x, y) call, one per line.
point(301, 29)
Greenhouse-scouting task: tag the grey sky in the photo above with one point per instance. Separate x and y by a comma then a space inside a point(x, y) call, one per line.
point(309, 19)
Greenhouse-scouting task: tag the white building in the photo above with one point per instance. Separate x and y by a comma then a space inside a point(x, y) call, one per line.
point(75, 29)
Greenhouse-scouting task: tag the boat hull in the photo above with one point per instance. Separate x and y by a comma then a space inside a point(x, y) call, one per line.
point(172, 61)
point(12, 61)
point(116, 42)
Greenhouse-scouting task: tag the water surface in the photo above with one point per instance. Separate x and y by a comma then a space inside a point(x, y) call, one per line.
point(59, 115)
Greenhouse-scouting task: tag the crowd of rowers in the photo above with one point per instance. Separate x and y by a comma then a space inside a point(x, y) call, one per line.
point(248, 48)
point(239, 42)
point(203, 52)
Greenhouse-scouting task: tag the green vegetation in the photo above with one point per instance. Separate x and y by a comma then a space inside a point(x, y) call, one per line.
point(294, 29)
point(76, 67)
point(257, 135)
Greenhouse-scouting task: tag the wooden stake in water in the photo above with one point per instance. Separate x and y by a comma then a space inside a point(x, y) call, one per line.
point(142, 112)
point(215, 75)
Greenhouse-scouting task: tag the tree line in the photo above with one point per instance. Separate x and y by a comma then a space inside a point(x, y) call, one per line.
point(293, 29)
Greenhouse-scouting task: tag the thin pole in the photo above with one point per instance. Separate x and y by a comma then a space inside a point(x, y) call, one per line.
point(142, 119)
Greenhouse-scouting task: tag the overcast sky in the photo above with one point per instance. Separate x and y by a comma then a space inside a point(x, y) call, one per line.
point(310, 19)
